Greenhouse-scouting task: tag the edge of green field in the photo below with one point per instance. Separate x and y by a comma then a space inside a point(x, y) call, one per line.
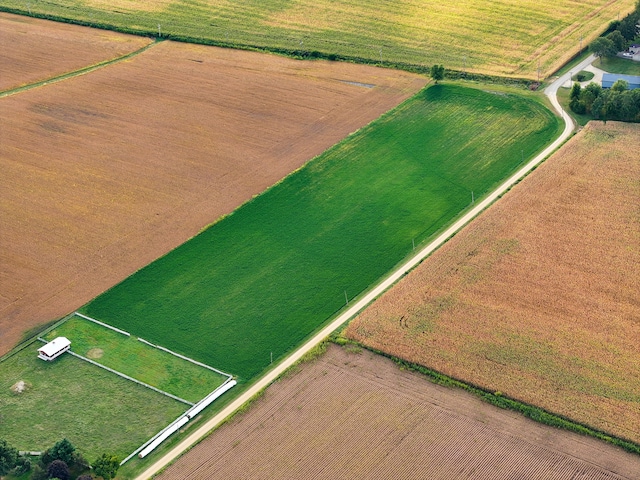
point(284, 263)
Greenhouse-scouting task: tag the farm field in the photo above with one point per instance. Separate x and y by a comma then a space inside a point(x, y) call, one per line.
point(95, 409)
point(287, 261)
point(498, 37)
point(359, 413)
point(537, 298)
point(136, 359)
point(33, 50)
point(105, 172)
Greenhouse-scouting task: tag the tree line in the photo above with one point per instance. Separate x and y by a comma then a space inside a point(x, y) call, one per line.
point(62, 462)
point(616, 103)
point(622, 34)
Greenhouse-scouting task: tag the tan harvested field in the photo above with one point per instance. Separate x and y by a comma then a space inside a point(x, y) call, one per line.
point(105, 172)
point(537, 298)
point(32, 50)
point(357, 415)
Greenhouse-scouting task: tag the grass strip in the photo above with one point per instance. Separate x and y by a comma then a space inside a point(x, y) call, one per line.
point(500, 400)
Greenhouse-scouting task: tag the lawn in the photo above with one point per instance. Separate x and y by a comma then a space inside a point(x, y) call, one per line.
point(258, 282)
point(501, 37)
point(138, 360)
point(618, 65)
point(95, 409)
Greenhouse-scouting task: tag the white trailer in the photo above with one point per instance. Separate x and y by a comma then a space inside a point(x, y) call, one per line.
point(54, 348)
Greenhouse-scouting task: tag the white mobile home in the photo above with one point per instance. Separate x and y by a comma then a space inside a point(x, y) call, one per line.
point(54, 348)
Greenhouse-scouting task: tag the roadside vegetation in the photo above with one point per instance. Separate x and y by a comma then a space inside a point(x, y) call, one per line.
point(467, 36)
point(259, 281)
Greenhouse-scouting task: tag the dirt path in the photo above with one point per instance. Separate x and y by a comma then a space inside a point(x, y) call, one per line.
point(376, 291)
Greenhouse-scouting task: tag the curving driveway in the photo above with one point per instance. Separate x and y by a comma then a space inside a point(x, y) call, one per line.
point(371, 295)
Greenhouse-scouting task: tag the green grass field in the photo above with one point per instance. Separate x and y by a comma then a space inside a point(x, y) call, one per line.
point(138, 360)
point(95, 409)
point(501, 37)
point(267, 276)
point(618, 65)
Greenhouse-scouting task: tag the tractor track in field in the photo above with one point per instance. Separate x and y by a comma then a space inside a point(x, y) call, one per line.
point(372, 294)
point(76, 73)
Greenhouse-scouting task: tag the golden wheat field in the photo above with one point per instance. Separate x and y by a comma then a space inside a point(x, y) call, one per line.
point(511, 38)
point(537, 298)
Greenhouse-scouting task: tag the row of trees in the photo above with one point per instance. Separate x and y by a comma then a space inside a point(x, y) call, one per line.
point(624, 33)
point(58, 462)
point(616, 103)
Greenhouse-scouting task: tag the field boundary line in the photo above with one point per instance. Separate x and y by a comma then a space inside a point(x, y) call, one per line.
point(103, 324)
point(376, 290)
point(126, 377)
point(76, 73)
point(182, 420)
point(229, 376)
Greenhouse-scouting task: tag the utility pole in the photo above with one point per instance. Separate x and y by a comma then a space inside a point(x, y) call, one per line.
point(346, 298)
point(159, 31)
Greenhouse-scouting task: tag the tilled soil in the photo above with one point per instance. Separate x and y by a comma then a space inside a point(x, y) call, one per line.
point(105, 172)
point(357, 415)
point(538, 297)
point(32, 50)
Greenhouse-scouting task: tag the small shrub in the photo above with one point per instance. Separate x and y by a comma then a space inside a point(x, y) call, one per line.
point(23, 465)
point(58, 469)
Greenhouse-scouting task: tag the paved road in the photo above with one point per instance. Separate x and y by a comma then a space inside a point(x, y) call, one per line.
point(376, 291)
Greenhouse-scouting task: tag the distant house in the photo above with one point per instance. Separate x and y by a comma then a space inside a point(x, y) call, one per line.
point(54, 348)
point(608, 79)
point(635, 48)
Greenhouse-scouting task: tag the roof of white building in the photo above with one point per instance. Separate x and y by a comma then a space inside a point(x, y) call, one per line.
point(55, 346)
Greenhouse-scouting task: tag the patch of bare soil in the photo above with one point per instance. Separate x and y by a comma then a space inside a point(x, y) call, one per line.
point(105, 172)
point(537, 298)
point(19, 387)
point(349, 415)
point(32, 49)
point(95, 353)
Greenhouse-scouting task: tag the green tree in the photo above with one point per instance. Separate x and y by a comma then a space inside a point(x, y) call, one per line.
point(589, 94)
point(8, 457)
point(602, 47)
point(627, 27)
point(63, 450)
point(576, 90)
point(618, 40)
point(620, 86)
point(106, 466)
point(437, 72)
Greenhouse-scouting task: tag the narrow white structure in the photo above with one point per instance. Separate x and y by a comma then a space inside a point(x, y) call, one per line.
point(54, 348)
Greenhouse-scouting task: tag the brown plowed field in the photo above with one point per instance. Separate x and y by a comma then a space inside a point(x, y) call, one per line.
point(32, 49)
point(105, 172)
point(538, 298)
point(357, 415)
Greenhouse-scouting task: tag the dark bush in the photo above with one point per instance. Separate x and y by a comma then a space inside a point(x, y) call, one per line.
point(58, 469)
